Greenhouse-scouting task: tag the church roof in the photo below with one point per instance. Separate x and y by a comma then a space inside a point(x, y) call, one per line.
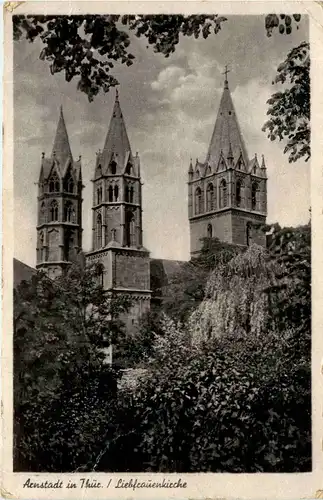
point(61, 156)
point(21, 272)
point(61, 148)
point(117, 145)
point(161, 273)
point(226, 137)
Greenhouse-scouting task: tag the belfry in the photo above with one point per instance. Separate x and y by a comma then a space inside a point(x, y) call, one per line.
point(227, 193)
point(117, 219)
point(59, 227)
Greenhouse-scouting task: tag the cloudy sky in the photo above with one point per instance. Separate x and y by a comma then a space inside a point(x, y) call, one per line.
point(170, 107)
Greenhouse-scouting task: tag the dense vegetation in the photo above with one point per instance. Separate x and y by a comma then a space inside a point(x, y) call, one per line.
point(227, 388)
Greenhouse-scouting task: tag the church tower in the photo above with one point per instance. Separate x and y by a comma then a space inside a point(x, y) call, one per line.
point(117, 219)
point(59, 228)
point(227, 194)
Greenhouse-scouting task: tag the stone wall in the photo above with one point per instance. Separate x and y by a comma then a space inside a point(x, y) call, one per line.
point(221, 229)
point(239, 228)
point(131, 269)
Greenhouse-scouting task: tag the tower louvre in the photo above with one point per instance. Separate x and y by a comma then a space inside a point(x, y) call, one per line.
point(59, 228)
point(227, 194)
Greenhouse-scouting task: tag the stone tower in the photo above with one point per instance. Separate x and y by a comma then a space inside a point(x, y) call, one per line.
point(227, 194)
point(59, 228)
point(117, 219)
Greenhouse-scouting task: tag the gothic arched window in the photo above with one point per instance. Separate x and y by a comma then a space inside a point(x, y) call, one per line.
point(248, 233)
point(99, 195)
point(198, 201)
point(254, 200)
point(99, 231)
point(54, 183)
point(239, 188)
point(131, 192)
point(223, 194)
point(130, 229)
point(209, 231)
point(68, 244)
point(53, 211)
point(127, 194)
point(222, 165)
point(129, 169)
point(41, 247)
point(210, 198)
point(110, 193)
point(42, 217)
point(68, 183)
point(113, 167)
point(99, 171)
point(116, 193)
point(68, 211)
point(70, 188)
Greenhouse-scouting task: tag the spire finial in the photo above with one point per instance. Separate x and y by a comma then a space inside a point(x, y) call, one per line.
point(190, 168)
point(225, 72)
point(230, 153)
point(263, 165)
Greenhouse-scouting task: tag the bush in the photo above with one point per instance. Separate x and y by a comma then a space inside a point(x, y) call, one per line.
point(237, 404)
point(233, 395)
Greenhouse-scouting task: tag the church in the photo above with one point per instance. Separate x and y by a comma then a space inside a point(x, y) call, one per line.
point(227, 199)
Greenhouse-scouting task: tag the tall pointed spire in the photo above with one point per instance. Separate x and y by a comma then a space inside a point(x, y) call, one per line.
point(226, 134)
point(117, 142)
point(61, 147)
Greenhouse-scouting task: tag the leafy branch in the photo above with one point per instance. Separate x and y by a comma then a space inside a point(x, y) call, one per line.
point(87, 47)
point(290, 109)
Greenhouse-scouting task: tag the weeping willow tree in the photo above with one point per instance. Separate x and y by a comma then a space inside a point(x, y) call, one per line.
point(238, 399)
point(236, 297)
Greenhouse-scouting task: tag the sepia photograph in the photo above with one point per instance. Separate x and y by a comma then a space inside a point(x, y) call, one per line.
point(161, 243)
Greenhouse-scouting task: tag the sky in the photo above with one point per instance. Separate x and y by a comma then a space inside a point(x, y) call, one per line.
point(170, 107)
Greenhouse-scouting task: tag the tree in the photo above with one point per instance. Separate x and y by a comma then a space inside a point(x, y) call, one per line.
point(186, 288)
point(239, 400)
point(63, 393)
point(87, 47)
point(290, 109)
point(259, 289)
point(234, 297)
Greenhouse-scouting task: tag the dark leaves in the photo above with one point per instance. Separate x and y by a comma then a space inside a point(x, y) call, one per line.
point(290, 109)
point(77, 45)
point(283, 22)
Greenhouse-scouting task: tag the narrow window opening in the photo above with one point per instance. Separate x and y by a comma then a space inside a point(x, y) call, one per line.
point(110, 193)
point(54, 211)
